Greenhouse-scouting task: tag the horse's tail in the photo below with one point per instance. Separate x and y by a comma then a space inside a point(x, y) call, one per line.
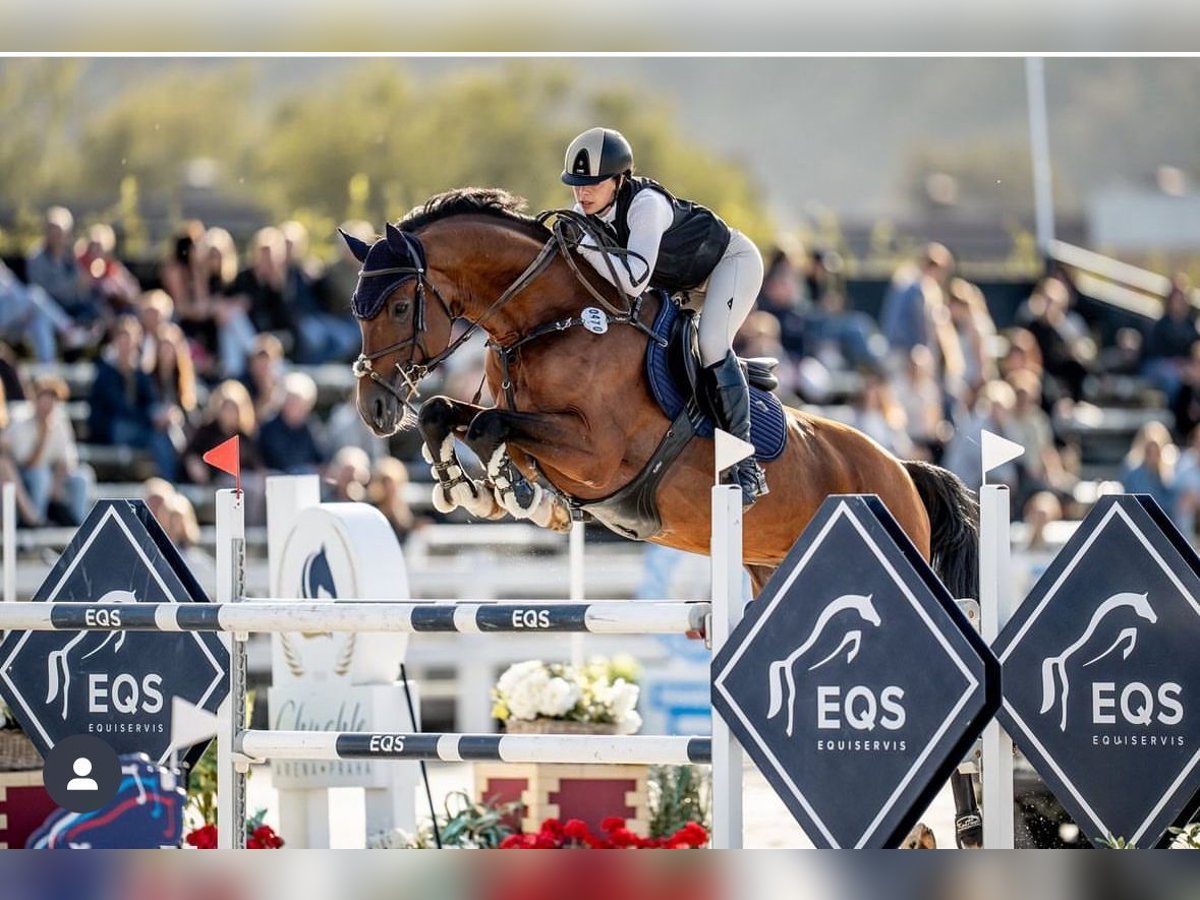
point(953, 525)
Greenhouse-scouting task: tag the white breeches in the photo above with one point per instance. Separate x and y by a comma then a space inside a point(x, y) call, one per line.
point(731, 291)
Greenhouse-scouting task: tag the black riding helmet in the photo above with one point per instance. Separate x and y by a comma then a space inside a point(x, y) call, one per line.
point(595, 155)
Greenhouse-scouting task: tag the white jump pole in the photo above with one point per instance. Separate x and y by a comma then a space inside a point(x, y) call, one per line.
point(577, 590)
point(231, 765)
point(9, 504)
point(995, 601)
point(725, 551)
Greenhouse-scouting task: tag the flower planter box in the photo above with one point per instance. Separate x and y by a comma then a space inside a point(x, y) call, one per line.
point(564, 792)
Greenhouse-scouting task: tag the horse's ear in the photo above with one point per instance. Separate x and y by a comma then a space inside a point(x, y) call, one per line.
point(357, 247)
point(395, 239)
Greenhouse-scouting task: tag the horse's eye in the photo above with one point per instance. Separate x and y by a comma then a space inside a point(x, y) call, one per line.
point(400, 310)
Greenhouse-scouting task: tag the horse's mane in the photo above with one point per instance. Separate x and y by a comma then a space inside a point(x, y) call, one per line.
point(495, 202)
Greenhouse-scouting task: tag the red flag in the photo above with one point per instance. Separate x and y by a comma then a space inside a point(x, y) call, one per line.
point(227, 457)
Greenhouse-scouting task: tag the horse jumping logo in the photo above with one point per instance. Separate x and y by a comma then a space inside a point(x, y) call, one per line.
point(317, 583)
point(58, 665)
point(1055, 683)
point(851, 641)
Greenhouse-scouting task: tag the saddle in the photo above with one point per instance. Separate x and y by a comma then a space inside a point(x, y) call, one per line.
point(683, 360)
point(674, 371)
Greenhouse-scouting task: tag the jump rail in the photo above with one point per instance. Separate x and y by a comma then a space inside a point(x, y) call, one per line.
point(263, 615)
point(513, 748)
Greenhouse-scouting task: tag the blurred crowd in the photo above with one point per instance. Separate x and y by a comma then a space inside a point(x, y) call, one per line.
point(222, 342)
point(933, 371)
point(216, 344)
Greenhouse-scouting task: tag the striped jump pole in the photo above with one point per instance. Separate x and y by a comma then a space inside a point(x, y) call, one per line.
point(260, 746)
point(264, 615)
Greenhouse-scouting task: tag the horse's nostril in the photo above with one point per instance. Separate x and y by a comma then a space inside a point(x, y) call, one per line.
point(380, 409)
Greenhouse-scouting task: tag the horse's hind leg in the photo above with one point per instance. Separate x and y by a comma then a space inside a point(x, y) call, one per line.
point(440, 418)
point(759, 576)
point(521, 498)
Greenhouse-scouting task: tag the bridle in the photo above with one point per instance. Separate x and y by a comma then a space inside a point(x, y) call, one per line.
point(412, 371)
point(568, 231)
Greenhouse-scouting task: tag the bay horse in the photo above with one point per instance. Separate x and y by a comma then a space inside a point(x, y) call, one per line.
point(575, 420)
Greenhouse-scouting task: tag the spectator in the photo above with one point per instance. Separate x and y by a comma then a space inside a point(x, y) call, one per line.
point(43, 447)
point(154, 310)
point(184, 531)
point(125, 408)
point(387, 492)
point(54, 269)
point(287, 441)
point(157, 492)
point(880, 417)
point(1067, 351)
point(781, 296)
point(921, 397)
point(974, 329)
point(28, 313)
point(1149, 467)
point(111, 285)
point(323, 337)
point(260, 287)
point(1041, 510)
point(909, 308)
point(230, 413)
point(1171, 339)
point(27, 513)
point(235, 332)
point(349, 475)
point(264, 376)
point(843, 338)
point(184, 276)
point(988, 408)
point(174, 377)
point(1187, 486)
point(222, 265)
point(1041, 468)
point(1186, 406)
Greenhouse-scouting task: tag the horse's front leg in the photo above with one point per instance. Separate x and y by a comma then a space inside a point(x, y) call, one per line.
point(488, 437)
point(439, 420)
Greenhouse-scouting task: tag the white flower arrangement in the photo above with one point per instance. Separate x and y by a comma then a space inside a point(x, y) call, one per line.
point(602, 691)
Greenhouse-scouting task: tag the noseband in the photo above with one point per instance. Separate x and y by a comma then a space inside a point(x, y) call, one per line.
point(412, 371)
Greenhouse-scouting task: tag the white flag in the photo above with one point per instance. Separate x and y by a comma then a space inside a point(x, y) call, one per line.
point(998, 450)
point(730, 450)
point(190, 724)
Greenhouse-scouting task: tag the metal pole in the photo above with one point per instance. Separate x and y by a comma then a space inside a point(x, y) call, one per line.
point(577, 590)
point(231, 767)
point(995, 601)
point(9, 503)
point(1039, 148)
point(726, 553)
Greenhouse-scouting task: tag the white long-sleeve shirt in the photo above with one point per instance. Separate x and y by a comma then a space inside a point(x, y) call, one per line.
point(649, 216)
point(22, 435)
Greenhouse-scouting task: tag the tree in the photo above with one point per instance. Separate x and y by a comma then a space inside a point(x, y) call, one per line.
point(38, 103)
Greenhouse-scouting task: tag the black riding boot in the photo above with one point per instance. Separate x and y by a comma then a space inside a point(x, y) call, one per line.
point(731, 404)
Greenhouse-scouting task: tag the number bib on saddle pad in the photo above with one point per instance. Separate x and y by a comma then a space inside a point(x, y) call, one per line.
point(768, 424)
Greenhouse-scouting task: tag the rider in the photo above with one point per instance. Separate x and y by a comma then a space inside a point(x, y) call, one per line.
point(678, 246)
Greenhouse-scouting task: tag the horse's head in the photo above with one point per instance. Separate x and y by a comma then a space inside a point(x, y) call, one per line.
point(403, 334)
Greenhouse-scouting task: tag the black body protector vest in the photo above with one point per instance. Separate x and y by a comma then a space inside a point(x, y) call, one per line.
point(690, 248)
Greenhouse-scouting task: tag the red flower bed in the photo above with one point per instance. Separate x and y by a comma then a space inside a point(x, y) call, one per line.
point(554, 835)
point(261, 838)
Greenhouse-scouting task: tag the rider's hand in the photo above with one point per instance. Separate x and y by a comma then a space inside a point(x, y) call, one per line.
point(571, 231)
